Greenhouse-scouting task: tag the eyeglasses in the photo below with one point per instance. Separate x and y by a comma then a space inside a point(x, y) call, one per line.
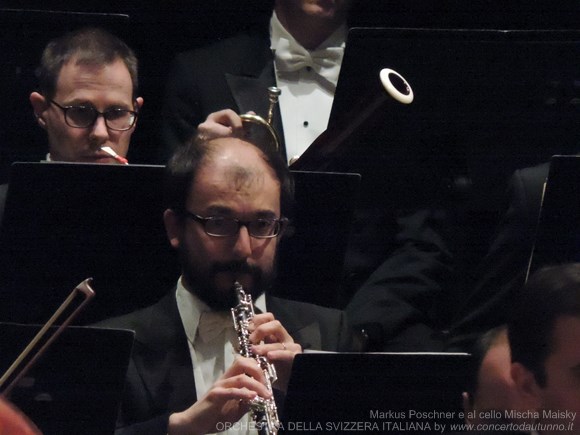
point(85, 116)
point(218, 226)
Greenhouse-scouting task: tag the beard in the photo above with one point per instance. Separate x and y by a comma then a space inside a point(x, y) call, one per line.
point(215, 285)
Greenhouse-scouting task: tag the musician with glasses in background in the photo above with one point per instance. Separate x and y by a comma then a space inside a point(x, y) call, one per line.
point(87, 98)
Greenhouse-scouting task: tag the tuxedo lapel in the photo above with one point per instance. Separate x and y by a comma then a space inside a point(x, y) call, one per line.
point(164, 362)
point(251, 93)
point(250, 90)
point(182, 384)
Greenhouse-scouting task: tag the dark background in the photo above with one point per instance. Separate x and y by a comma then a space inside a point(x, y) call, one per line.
point(159, 30)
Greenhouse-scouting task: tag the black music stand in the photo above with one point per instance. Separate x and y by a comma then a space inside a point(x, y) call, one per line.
point(311, 259)
point(64, 222)
point(375, 392)
point(486, 102)
point(77, 385)
point(558, 233)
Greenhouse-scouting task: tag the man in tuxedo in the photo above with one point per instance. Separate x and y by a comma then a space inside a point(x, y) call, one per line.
point(397, 255)
point(227, 200)
point(86, 99)
point(544, 332)
point(397, 263)
point(300, 53)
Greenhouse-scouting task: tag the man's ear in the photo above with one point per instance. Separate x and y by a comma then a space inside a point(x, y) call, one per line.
point(468, 405)
point(528, 388)
point(39, 106)
point(138, 103)
point(173, 227)
point(138, 106)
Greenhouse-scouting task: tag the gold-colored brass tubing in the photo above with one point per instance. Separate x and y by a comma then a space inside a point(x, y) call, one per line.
point(273, 94)
point(256, 119)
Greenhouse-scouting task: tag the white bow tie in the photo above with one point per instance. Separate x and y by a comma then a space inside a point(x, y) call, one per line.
point(293, 57)
point(211, 324)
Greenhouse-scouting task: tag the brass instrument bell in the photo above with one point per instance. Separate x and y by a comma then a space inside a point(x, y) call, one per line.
point(250, 120)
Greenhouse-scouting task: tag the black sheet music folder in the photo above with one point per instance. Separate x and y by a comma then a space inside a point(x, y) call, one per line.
point(485, 103)
point(76, 386)
point(66, 221)
point(311, 260)
point(375, 392)
point(558, 233)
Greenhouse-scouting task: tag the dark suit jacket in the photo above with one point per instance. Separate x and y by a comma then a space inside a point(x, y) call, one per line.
point(160, 377)
point(397, 304)
point(234, 73)
point(502, 272)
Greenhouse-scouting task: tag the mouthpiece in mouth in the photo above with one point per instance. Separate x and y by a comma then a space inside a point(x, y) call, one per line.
point(116, 156)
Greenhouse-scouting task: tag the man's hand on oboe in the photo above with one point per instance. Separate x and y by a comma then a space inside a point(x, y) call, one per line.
point(225, 402)
point(270, 339)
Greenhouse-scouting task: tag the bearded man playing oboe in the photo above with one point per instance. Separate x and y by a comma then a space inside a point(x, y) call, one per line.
point(227, 203)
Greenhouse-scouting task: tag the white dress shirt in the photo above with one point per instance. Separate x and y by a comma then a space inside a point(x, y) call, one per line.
point(211, 358)
point(307, 79)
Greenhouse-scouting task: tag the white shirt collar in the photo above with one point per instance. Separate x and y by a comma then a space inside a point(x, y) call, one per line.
point(190, 308)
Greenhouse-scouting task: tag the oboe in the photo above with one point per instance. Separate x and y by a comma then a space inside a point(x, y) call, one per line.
point(264, 411)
